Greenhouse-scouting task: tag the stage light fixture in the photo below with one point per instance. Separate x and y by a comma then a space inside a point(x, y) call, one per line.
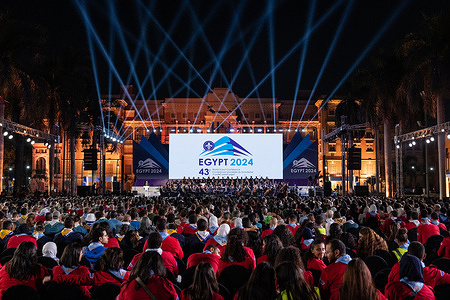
point(1, 124)
point(414, 143)
point(398, 146)
point(32, 142)
point(410, 144)
point(154, 130)
point(432, 138)
point(28, 140)
point(114, 139)
point(427, 140)
point(148, 130)
point(10, 136)
point(5, 133)
point(448, 135)
point(49, 146)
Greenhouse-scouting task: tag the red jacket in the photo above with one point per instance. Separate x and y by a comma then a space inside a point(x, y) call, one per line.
point(266, 232)
point(444, 249)
point(112, 242)
point(315, 264)
point(262, 258)
point(80, 276)
point(331, 279)
point(410, 225)
point(16, 240)
point(431, 275)
point(170, 244)
point(189, 230)
point(400, 290)
point(214, 242)
point(6, 282)
point(424, 231)
point(184, 296)
point(160, 287)
point(292, 229)
point(249, 262)
point(169, 261)
point(101, 277)
point(197, 258)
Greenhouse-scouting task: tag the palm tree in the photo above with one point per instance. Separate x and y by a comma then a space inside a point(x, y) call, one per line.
point(427, 59)
point(377, 86)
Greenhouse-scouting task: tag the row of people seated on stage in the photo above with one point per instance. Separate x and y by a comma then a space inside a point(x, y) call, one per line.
point(221, 187)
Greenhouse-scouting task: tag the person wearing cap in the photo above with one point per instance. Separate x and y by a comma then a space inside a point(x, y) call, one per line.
point(54, 226)
point(90, 219)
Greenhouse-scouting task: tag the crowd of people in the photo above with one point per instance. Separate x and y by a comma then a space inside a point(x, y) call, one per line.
point(193, 242)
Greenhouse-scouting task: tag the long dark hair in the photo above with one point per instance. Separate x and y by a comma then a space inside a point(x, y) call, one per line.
point(285, 235)
point(261, 284)
point(234, 248)
point(292, 282)
point(149, 261)
point(111, 259)
point(23, 265)
point(205, 283)
point(357, 282)
point(272, 245)
point(71, 255)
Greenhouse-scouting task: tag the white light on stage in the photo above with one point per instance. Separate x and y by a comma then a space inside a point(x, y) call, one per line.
point(432, 138)
point(5, 133)
point(259, 130)
point(49, 146)
point(231, 130)
point(154, 130)
point(398, 146)
point(428, 141)
point(10, 137)
point(148, 130)
point(414, 143)
point(114, 139)
point(32, 142)
point(28, 140)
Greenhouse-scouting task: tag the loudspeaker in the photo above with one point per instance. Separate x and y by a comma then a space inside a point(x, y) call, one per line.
point(361, 190)
point(327, 189)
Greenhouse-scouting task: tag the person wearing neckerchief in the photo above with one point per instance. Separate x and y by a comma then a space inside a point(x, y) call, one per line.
point(6, 233)
point(411, 281)
point(196, 242)
point(426, 228)
point(432, 276)
point(332, 276)
point(220, 239)
point(96, 247)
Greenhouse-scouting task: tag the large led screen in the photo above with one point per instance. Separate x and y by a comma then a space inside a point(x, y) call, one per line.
point(225, 155)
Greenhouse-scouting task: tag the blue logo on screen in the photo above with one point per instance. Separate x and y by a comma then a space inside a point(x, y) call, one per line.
point(224, 146)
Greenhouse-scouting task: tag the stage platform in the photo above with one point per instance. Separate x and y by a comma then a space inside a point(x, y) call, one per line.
point(145, 191)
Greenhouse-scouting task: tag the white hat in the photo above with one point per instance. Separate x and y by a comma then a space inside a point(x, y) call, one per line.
point(90, 218)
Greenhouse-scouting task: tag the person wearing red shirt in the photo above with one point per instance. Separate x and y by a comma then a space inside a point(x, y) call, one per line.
point(426, 228)
point(413, 222)
point(151, 271)
point(23, 268)
point(211, 255)
point(272, 225)
point(444, 249)
point(236, 253)
point(204, 286)
point(169, 244)
point(315, 255)
point(331, 278)
point(220, 239)
point(20, 236)
point(69, 271)
point(154, 243)
point(111, 263)
point(411, 281)
point(432, 276)
point(192, 227)
point(292, 226)
point(435, 220)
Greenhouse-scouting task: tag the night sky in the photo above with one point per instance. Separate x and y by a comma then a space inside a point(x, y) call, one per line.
point(202, 31)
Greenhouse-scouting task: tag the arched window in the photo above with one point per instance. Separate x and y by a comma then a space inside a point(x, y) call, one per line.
point(57, 166)
point(40, 164)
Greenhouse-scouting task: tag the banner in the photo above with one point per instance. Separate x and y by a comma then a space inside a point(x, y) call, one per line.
point(301, 160)
point(149, 161)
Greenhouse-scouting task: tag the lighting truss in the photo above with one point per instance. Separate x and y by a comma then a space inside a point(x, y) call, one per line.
point(422, 133)
point(344, 128)
point(13, 127)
